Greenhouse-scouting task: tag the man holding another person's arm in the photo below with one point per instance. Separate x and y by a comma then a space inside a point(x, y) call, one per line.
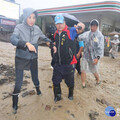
point(25, 38)
point(65, 57)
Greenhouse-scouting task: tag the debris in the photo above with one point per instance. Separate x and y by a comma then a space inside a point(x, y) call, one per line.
point(26, 76)
point(25, 83)
point(31, 92)
point(50, 86)
point(8, 74)
point(93, 115)
point(103, 101)
point(54, 109)
point(59, 106)
point(72, 115)
point(98, 100)
point(68, 111)
point(2, 81)
point(25, 94)
point(7, 95)
point(47, 107)
point(24, 89)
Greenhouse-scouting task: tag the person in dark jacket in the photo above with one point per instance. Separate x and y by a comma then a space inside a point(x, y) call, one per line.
point(65, 57)
point(25, 38)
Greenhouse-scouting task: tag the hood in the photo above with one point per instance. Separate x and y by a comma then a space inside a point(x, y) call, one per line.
point(97, 32)
point(27, 12)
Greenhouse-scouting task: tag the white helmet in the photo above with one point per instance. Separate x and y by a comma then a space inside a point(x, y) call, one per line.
point(116, 36)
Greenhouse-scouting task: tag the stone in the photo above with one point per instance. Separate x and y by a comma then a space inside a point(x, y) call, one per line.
point(47, 107)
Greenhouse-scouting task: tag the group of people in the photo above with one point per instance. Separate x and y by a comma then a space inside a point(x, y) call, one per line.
point(65, 56)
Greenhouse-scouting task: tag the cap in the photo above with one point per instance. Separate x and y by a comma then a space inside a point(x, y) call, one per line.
point(116, 36)
point(59, 19)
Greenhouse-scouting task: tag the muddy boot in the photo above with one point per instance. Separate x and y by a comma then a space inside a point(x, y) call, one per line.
point(70, 96)
point(15, 103)
point(38, 91)
point(57, 93)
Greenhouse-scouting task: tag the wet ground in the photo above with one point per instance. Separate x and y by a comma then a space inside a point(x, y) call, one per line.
point(88, 103)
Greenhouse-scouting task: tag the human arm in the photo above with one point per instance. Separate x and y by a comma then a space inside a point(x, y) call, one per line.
point(81, 45)
point(15, 39)
point(49, 43)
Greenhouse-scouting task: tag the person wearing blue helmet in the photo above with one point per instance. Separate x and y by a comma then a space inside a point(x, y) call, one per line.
point(65, 57)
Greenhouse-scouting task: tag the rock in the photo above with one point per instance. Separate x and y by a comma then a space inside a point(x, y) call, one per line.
point(92, 115)
point(25, 94)
point(98, 100)
point(24, 89)
point(68, 111)
point(103, 101)
point(3, 81)
point(50, 86)
point(32, 92)
point(8, 74)
point(59, 106)
point(26, 76)
point(7, 95)
point(47, 107)
point(25, 83)
point(54, 109)
point(104, 81)
point(72, 115)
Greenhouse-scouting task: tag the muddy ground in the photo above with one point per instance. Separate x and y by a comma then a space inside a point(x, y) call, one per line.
point(88, 103)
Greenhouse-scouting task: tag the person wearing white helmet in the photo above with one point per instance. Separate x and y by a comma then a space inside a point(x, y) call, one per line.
point(115, 42)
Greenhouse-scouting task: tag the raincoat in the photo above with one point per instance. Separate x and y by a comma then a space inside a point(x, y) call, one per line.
point(114, 49)
point(93, 48)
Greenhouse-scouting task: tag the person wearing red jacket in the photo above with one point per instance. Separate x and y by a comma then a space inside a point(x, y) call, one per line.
point(65, 57)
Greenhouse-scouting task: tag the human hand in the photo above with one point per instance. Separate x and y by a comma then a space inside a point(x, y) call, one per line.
point(78, 56)
point(95, 61)
point(80, 25)
point(31, 47)
point(54, 49)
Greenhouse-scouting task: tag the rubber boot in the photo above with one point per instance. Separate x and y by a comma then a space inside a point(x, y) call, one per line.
point(38, 91)
point(57, 93)
point(15, 103)
point(70, 96)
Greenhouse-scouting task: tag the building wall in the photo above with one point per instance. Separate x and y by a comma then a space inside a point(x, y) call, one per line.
point(117, 24)
point(106, 18)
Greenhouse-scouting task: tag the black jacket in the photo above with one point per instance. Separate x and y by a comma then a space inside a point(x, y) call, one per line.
point(66, 50)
